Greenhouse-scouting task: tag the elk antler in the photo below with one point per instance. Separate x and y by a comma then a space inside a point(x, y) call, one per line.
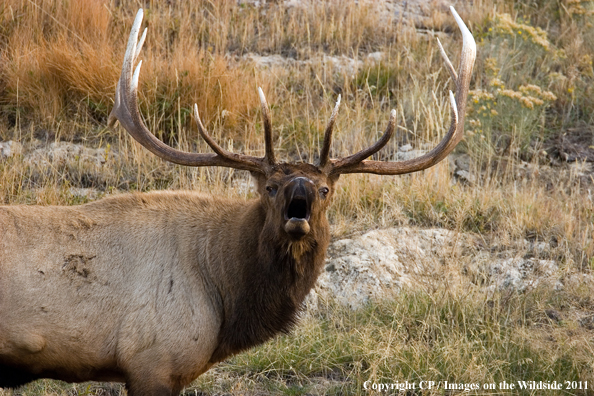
point(126, 112)
point(325, 152)
point(356, 163)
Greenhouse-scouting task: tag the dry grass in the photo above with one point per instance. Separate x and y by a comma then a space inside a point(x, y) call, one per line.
point(59, 63)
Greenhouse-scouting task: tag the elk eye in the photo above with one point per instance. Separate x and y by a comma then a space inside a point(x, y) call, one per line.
point(271, 190)
point(324, 191)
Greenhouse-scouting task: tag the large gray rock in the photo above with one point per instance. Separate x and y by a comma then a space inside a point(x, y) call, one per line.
point(379, 263)
point(374, 265)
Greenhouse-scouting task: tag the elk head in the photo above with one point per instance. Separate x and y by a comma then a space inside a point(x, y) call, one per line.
point(293, 194)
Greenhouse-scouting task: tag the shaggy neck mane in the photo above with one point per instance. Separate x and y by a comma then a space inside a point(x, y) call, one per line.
point(269, 295)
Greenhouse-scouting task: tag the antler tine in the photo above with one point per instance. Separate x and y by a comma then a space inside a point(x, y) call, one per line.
point(449, 65)
point(210, 141)
point(325, 152)
point(354, 160)
point(450, 140)
point(269, 148)
point(125, 111)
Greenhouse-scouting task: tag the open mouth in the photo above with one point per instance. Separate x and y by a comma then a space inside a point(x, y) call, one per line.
point(297, 209)
point(297, 216)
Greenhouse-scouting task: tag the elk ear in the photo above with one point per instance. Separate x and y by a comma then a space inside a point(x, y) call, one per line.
point(260, 180)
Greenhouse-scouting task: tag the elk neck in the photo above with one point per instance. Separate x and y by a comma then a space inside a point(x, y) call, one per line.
point(266, 288)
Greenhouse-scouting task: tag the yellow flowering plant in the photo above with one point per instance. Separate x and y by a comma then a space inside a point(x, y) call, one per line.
point(508, 107)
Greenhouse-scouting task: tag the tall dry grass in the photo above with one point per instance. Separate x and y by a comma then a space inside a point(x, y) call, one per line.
point(61, 61)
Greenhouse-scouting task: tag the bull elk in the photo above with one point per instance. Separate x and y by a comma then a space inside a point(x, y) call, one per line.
point(153, 289)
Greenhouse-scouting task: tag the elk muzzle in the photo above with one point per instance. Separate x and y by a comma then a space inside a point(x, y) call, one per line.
point(299, 197)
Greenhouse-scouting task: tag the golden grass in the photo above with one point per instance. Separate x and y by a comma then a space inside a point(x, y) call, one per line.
point(61, 63)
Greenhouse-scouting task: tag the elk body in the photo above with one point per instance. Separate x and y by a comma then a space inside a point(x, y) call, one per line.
point(153, 289)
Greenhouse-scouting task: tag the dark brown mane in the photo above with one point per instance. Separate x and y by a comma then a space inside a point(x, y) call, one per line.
point(271, 290)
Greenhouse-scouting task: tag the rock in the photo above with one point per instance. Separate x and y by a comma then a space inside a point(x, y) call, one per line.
point(462, 162)
point(406, 148)
point(518, 274)
point(64, 152)
point(253, 3)
point(338, 64)
point(407, 152)
point(269, 61)
point(376, 57)
point(416, 11)
point(406, 155)
point(461, 168)
point(84, 193)
point(10, 148)
point(342, 64)
point(541, 247)
point(296, 4)
point(465, 177)
point(375, 265)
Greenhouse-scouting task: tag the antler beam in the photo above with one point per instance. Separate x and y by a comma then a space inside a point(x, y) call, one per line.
point(126, 112)
point(356, 163)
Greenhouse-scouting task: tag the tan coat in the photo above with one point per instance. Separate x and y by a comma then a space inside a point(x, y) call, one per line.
point(150, 289)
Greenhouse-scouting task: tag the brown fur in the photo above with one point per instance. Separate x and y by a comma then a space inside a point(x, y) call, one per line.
point(152, 289)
